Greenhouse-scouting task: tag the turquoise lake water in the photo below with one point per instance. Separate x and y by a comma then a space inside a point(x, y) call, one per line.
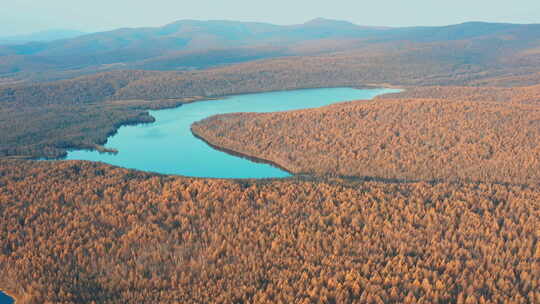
point(4, 299)
point(168, 146)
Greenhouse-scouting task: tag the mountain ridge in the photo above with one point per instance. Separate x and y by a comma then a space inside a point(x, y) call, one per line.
point(172, 46)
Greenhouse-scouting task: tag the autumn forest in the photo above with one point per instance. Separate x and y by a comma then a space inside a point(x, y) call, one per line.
point(429, 195)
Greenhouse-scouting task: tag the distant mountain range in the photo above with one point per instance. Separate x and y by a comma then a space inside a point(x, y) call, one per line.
point(42, 36)
point(191, 44)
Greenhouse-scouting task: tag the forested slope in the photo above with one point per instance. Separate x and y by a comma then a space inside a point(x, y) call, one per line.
point(80, 232)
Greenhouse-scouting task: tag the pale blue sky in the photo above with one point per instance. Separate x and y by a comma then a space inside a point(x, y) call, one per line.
point(24, 16)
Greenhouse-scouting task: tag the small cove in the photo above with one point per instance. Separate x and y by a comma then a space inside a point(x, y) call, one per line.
point(167, 146)
point(5, 299)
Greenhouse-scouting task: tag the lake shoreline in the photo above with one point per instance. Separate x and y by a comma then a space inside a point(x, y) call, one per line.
point(267, 161)
point(195, 99)
point(173, 130)
point(242, 155)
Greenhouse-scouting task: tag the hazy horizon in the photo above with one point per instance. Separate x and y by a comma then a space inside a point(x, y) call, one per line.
point(27, 16)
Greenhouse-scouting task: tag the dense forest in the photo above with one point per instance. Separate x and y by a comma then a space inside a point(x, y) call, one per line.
point(80, 232)
point(520, 95)
point(430, 195)
point(397, 138)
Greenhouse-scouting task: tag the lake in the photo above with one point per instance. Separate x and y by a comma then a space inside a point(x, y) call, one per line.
point(4, 299)
point(168, 146)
